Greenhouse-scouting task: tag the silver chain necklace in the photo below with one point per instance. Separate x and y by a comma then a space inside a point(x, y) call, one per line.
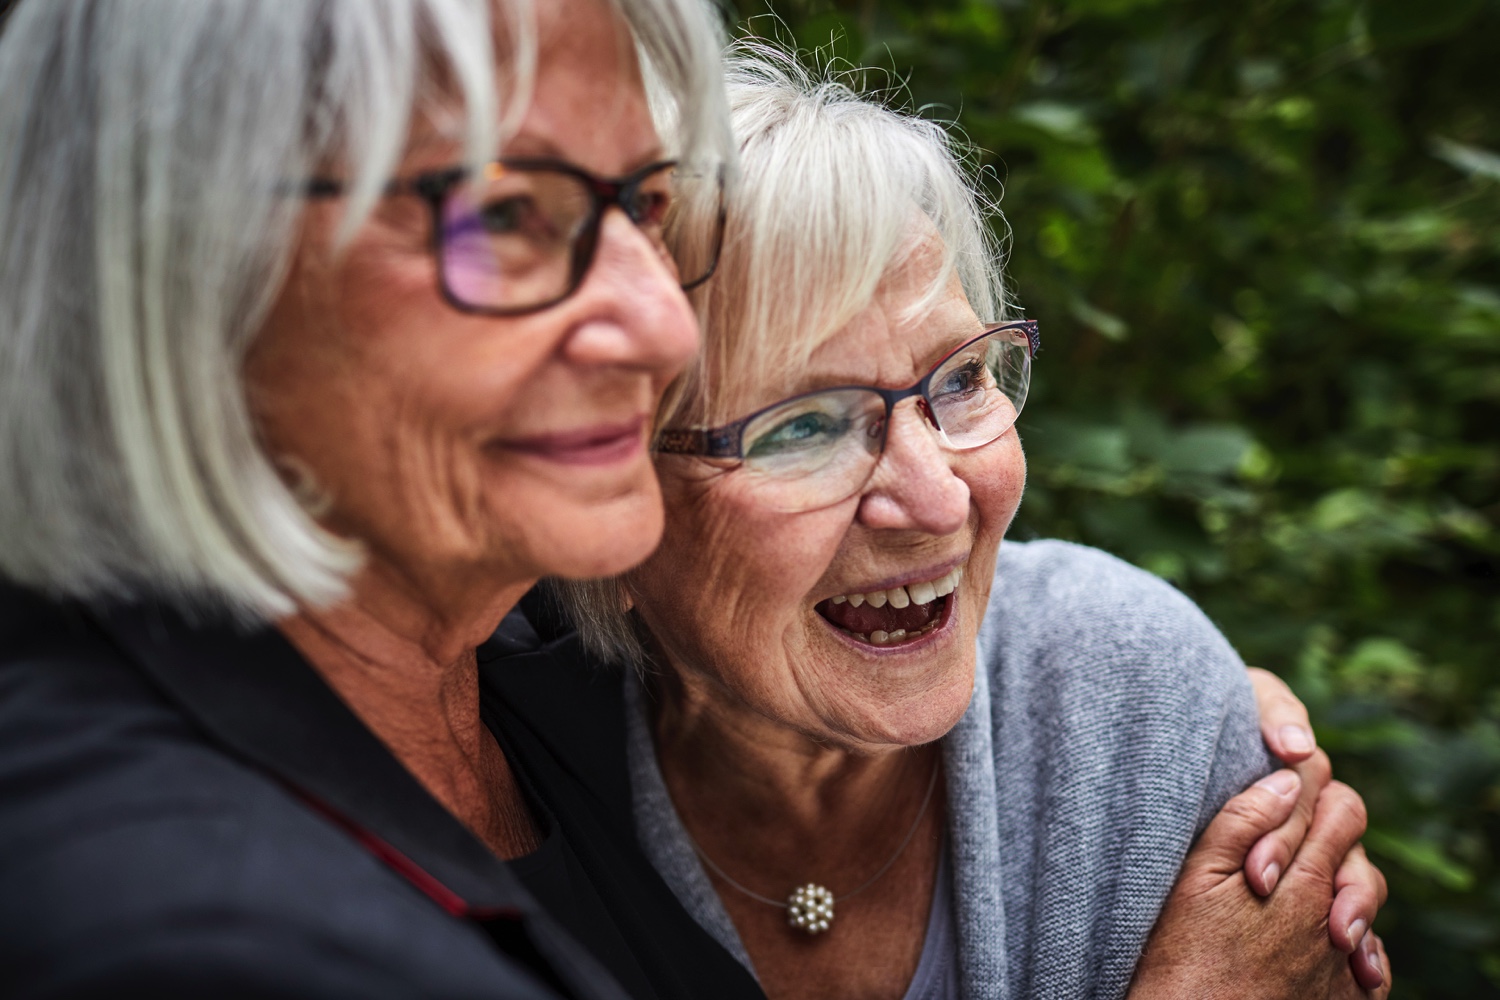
point(810, 907)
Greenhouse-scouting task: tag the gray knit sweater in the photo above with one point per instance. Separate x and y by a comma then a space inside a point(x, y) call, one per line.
point(1110, 721)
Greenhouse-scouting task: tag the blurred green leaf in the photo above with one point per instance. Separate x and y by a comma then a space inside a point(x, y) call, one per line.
point(1105, 324)
point(1061, 121)
point(1421, 858)
point(1470, 159)
point(1211, 451)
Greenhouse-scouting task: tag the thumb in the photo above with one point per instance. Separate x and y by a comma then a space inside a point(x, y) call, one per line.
point(1244, 819)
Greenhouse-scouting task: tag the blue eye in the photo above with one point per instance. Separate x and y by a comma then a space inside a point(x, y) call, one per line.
point(805, 430)
point(967, 378)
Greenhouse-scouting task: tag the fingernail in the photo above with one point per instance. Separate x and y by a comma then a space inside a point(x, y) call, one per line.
point(1372, 953)
point(1282, 783)
point(1357, 932)
point(1297, 739)
point(1271, 873)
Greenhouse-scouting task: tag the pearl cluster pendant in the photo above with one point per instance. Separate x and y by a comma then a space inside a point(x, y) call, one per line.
point(810, 908)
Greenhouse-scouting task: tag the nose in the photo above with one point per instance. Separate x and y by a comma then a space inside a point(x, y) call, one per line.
point(914, 487)
point(636, 313)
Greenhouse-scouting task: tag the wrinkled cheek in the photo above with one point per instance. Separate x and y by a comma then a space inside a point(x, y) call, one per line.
point(1014, 487)
point(996, 475)
point(410, 485)
point(707, 621)
point(997, 484)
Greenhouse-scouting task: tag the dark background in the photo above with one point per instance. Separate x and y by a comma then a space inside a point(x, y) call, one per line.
point(1263, 241)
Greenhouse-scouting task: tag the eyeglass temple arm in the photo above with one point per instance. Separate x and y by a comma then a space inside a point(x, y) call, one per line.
point(427, 186)
point(713, 263)
point(1033, 335)
point(710, 442)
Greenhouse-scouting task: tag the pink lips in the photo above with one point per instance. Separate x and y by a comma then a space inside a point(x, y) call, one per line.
point(602, 444)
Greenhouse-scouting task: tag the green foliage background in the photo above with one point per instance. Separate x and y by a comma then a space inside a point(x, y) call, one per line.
point(1263, 239)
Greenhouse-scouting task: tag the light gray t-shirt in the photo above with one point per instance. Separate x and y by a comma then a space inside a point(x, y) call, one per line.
point(936, 977)
point(1110, 721)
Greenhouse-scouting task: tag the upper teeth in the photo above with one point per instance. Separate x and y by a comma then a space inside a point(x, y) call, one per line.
point(912, 593)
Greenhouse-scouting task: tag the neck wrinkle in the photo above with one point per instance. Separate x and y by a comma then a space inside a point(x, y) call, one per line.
point(744, 771)
point(411, 676)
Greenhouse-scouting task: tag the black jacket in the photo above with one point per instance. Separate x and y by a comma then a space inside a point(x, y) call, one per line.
point(561, 718)
point(187, 810)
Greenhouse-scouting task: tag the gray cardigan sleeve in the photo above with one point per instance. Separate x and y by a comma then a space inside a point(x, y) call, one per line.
point(1121, 722)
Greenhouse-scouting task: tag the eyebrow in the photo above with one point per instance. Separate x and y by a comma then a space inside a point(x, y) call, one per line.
point(428, 135)
point(815, 383)
point(545, 148)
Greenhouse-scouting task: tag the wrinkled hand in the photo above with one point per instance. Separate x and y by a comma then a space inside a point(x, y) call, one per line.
point(1359, 885)
point(1218, 939)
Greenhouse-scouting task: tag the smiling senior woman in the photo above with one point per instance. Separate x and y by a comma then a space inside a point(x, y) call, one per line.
point(873, 753)
point(300, 389)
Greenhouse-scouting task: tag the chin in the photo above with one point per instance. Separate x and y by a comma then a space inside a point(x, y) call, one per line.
point(925, 713)
point(603, 539)
point(934, 716)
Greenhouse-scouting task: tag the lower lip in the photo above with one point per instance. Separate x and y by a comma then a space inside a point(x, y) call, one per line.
point(584, 450)
point(919, 644)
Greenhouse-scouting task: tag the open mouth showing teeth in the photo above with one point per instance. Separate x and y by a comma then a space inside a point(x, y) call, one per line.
point(898, 615)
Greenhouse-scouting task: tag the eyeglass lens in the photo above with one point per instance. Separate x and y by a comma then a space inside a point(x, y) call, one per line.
point(816, 450)
point(516, 238)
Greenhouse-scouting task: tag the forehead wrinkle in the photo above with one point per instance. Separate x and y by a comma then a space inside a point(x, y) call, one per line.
point(845, 368)
point(548, 127)
point(914, 343)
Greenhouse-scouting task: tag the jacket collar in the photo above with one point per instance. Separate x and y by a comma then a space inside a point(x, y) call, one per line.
point(251, 692)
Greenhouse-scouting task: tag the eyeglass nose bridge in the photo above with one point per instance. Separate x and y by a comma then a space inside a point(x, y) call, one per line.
point(606, 194)
point(892, 397)
point(924, 407)
point(615, 192)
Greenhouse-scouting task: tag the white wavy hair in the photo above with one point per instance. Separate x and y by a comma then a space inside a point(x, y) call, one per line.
point(832, 187)
point(150, 152)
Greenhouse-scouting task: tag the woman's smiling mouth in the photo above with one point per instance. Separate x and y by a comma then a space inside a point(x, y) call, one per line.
point(603, 444)
point(895, 615)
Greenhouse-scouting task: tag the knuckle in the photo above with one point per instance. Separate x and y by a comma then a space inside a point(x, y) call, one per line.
point(1247, 806)
point(1356, 869)
point(1317, 769)
point(1344, 805)
point(1278, 845)
point(1359, 893)
point(1362, 897)
point(1252, 807)
point(1352, 804)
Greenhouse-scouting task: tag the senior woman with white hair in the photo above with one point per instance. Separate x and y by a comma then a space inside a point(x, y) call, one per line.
point(873, 753)
point(300, 389)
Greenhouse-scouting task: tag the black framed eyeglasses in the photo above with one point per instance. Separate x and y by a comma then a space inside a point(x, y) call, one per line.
point(818, 448)
point(519, 235)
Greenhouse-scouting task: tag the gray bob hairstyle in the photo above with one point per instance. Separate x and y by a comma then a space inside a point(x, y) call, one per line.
point(150, 153)
point(833, 186)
